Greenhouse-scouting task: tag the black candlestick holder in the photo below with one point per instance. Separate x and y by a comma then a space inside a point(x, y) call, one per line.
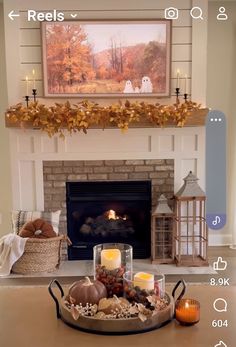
point(34, 92)
point(177, 91)
point(185, 96)
point(27, 100)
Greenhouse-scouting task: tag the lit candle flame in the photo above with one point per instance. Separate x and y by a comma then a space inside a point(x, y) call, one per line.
point(186, 305)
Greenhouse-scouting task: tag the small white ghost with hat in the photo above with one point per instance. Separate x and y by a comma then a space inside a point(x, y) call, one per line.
point(146, 86)
point(128, 87)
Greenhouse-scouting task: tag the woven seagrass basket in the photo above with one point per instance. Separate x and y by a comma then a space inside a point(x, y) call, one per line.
point(40, 255)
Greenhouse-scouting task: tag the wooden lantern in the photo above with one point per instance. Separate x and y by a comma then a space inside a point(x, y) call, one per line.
point(190, 228)
point(162, 233)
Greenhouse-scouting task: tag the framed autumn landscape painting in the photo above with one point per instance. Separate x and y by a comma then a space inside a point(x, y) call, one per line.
point(106, 58)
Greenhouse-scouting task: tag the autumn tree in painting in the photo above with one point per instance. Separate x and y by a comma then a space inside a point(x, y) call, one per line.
point(69, 58)
point(154, 63)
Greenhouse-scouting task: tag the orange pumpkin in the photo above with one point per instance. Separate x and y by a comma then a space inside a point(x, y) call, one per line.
point(87, 291)
point(37, 229)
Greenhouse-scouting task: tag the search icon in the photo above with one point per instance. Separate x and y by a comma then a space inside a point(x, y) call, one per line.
point(196, 13)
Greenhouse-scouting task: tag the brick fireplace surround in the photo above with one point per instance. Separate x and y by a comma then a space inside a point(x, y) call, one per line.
point(41, 165)
point(56, 173)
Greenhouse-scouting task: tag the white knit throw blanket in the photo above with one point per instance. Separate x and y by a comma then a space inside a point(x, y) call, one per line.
point(12, 247)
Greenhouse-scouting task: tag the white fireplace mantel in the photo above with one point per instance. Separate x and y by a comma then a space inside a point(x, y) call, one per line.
point(29, 148)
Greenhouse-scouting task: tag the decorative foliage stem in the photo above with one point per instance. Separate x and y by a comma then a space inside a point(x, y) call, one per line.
point(58, 118)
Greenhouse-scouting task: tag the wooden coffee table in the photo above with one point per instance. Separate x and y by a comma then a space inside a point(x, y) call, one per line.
point(27, 319)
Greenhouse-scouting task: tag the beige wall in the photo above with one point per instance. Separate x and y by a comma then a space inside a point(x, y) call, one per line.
point(5, 187)
point(221, 58)
point(221, 88)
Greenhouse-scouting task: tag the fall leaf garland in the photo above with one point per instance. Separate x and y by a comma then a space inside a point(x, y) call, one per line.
point(57, 118)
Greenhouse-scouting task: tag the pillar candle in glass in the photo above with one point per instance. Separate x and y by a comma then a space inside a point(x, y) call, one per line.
point(187, 311)
point(144, 280)
point(138, 286)
point(111, 260)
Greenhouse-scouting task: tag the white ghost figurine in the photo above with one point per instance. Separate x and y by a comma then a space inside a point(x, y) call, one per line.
point(146, 86)
point(137, 90)
point(128, 87)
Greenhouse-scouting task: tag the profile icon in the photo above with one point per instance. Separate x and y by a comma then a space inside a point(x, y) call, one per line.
point(222, 15)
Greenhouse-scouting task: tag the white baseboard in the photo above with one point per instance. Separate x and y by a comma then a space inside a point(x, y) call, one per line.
point(220, 239)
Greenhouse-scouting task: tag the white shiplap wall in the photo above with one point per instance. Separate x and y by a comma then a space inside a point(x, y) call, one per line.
point(25, 47)
point(24, 50)
point(23, 53)
point(31, 51)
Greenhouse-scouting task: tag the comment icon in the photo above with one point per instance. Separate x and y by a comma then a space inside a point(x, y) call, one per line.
point(220, 305)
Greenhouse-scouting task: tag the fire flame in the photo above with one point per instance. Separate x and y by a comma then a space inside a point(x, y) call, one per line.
point(111, 214)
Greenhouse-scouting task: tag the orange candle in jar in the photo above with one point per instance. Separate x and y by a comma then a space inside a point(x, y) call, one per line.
point(187, 311)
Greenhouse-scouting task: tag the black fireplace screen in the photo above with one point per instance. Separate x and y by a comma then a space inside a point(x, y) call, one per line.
point(99, 212)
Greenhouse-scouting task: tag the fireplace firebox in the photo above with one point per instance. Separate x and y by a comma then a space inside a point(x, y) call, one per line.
point(111, 211)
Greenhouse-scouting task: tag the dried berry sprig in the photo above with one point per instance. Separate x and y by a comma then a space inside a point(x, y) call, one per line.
point(125, 312)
